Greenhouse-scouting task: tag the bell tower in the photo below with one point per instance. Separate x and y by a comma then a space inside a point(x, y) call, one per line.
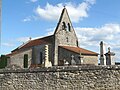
point(64, 34)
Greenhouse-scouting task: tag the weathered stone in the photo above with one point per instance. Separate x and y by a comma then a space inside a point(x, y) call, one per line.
point(79, 78)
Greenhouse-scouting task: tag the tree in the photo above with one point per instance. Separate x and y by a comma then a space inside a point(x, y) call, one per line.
point(3, 61)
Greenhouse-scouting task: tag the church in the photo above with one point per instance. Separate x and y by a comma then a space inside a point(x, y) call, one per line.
point(59, 49)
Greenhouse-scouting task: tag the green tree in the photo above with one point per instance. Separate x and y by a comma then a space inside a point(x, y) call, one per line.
point(3, 61)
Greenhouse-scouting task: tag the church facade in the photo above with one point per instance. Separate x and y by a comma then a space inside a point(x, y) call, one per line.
point(58, 49)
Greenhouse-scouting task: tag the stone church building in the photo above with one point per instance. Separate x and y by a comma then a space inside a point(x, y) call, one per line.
point(58, 49)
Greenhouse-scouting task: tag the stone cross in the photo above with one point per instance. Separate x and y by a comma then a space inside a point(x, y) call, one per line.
point(73, 61)
point(108, 49)
point(72, 57)
point(30, 38)
point(80, 56)
point(109, 57)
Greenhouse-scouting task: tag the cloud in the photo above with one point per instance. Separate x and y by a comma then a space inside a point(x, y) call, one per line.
point(76, 12)
point(26, 39)
point(33, 1)
point(30, 18)
point(27, 19)
point(107, 32)
point(50, 31)
point(8, 44)
point(91, 37)
point(23, 39)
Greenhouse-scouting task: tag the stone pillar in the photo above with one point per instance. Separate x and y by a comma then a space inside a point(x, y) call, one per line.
point(56, 52)
point(109, 57)
point(102, 56)
point(47, 62)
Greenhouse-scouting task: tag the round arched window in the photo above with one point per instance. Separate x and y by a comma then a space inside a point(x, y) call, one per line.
point(64, 26)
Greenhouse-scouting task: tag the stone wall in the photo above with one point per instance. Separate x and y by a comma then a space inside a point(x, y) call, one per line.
point(89, 59)
point(62, 78)
point(36, 54)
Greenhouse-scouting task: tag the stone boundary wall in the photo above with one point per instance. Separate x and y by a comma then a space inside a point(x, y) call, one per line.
point(84, 77)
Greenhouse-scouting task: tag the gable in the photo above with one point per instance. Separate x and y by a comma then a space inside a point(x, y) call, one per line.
point(64, 33)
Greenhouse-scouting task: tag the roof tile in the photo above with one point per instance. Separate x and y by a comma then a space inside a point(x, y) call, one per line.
point(44, 40)
point(79, 50)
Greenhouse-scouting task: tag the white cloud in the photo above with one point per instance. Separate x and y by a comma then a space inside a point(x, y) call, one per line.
point(107, 32)
point(76, 12)
point(30, 18)
point(23, 39)
point(91, 37)
point(50, 31)
point(27, 19)
point(33, 0)
point(8, 44)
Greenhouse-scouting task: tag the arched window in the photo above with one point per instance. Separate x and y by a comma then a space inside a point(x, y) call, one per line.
point(25, 60)
point(68, 27)
point(64, 26)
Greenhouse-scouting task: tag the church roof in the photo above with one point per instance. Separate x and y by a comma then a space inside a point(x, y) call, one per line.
point(79, 50)
point(31, 43)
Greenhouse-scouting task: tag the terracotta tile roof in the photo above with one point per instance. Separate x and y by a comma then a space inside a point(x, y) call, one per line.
point(44, 40)
point(78, 50)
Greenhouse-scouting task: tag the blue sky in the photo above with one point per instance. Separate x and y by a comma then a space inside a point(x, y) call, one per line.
point(93, 21)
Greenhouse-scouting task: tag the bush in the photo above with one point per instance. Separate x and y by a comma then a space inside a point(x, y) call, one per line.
point(3, 61)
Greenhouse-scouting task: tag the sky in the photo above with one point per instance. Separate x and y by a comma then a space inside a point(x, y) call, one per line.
point(93, 21)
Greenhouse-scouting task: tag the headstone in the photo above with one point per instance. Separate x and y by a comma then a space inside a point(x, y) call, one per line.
point(66, 62)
